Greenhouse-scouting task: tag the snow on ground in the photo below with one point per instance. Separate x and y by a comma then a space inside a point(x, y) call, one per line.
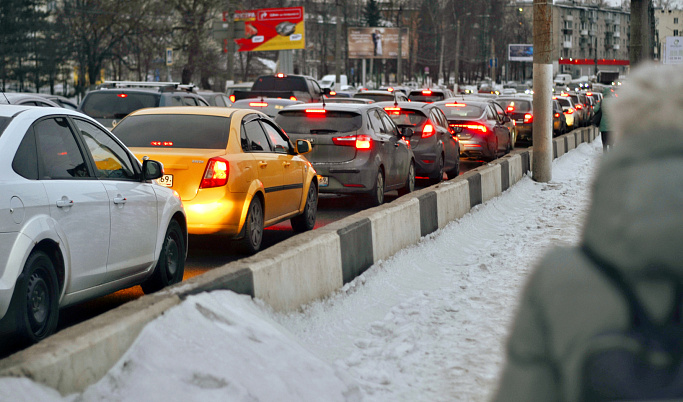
point(428, 324)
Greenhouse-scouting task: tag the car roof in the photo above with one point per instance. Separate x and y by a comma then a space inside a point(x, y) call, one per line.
point(354, 107)
point(194, 110)
point(14, 97)
point(13, 110)
point(406, 105)
point(275, 101)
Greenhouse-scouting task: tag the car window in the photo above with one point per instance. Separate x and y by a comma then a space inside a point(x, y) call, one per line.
point(59, 154)
point(390, 127)
point(376, 121)
point(111, 160)
point(436, 119)
point(330, 122)
point(458, 110)
point(116, 105)
point(189, 101)
point(280, 144)
point(25, 161)
point(515, 105)
point(499, 111)
point(406, 117)
point(490, 114)
point(258, 141)
point(174, 130)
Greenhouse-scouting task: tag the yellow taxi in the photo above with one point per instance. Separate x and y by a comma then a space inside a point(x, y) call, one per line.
point(235, 170)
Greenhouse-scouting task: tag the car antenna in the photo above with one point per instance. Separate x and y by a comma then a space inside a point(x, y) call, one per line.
point(323, 98)
point(3, 94)
point(395, 100)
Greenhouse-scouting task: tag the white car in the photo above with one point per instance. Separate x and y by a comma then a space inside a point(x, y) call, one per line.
point(80, 217)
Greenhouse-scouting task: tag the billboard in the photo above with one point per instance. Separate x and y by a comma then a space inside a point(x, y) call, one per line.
point(271, 29)
point(377, 43)
point(521, 52)
point(673, 51)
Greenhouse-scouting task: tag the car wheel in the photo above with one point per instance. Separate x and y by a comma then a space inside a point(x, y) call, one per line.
point(377, 194)
point(438, 176)
point(306, 221)
point(36, 303)
point(252, 232)
point(170, 267)
point(455, 172)
point(410, 181)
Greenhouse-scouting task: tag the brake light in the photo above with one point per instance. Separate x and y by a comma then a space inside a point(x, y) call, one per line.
point(392, 109)
point(357, 141)
point(390, 89)
point(280, 75)
point(216, 173)
point(292, 98)
point(316, 111)
point(258, 104)
point(455, 105)
point(528, 118)
point(589, 93)
point(161, 143)
point(557, 115)
point(479, 127)
point(333, 93)
point(579, 107)
point(569, 111)
point(511, 108)
point(123, 95)
point(427, 130)
point(426, 92)
point(232, 98)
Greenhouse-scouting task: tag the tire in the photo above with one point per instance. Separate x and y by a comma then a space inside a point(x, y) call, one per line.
point(377, 194)
point(409, 186)
point(35, 299)
point(252, 232)
point(170, 267)
point(438, 177)
point(306, 221)
point(455, 172)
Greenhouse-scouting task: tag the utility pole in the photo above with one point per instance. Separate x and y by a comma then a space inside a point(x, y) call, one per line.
point(337, 49)
point(230, 68)
point(457, 56)
point(542, 103)
point(399, 59)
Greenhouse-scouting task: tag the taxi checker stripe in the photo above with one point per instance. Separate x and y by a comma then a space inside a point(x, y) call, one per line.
point(281, 188)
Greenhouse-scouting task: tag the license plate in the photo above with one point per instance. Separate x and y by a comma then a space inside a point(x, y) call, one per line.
point(322, 181)
point(520, 121)
point(166, 180)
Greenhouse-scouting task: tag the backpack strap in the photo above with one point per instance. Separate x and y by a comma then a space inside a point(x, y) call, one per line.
point(639, 317)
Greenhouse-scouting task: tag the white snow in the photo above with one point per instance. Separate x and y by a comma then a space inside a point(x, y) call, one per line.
point(428, 324)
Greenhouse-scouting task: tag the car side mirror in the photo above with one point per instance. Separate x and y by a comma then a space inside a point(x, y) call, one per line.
point(151, 169)
point(326, 91)
point(407, 132)
point(506, 118)
point(303, 147)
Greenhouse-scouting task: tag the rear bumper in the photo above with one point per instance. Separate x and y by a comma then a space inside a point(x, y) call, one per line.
point(215, 211)
point(353, 177)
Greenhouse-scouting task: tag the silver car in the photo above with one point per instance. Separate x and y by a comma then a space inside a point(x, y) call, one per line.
point(80, 218)
point(357, 148)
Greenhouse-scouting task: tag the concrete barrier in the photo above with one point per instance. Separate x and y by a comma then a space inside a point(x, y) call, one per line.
point(299, 270)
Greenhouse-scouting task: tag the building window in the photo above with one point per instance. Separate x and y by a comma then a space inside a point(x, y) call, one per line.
point(675, 20)
point(675, 32)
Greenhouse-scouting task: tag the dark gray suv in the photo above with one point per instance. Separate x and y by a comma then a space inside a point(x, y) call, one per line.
point(114, 100)
point(357, 148)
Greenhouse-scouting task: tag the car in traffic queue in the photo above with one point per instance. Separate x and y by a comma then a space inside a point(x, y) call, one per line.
point(62, 101)
point(114, 100)
point(80, 218)
point(559, 119)
point(521, 111)
point(434, 144)
point(269, 106)
point(381, 96)
point(583, 111)
point(215, 98)
point(429, 95)
point(357, 148)
point(26, 99)
point(569, 111)
point(235, 169)
point(231, 88)
point(481, 131)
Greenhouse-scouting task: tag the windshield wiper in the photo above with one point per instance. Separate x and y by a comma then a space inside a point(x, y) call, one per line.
point(323, 131)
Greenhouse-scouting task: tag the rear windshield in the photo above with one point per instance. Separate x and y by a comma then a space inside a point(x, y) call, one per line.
point(298, 121)
point(458, 110)
point(564, 102)
point(420, 97)
point(375, 97)
point(177, 131)
point(274, 83)
point(407, 118)
point(117, 105)
point(515, 106)
point(4, 121)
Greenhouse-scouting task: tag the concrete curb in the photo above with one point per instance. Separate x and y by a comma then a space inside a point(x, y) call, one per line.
point(299, 270)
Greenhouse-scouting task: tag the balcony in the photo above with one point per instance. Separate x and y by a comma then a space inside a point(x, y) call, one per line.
point(567, 44)
point(584, 32)
point(569, 18)
point(615, 47)
point(617, 34)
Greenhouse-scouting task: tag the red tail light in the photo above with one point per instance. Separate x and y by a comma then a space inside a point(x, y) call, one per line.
point(426, 92)
point(316, 111)
point(528, 118)
point(258, 104)
point(428, 130)
point(579, 107)
point(216, 173)
point(455, 105)
point(280, 75)
point(475, 127)
point(390, 89)
point(569, 111)
point(358, 141)
point(557, 115)
point(333, 93)
point(511, 108)
point(392, 109)
point(292, 98)
point(232, 98)
point(123, 95)
point(161, 143)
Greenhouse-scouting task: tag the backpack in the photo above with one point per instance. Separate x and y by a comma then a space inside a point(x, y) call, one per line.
point(643, 362)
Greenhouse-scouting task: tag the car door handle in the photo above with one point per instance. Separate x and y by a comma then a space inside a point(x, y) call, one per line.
point(286, 164)
point(120, 199)
point(262, 164)
point(65, 203)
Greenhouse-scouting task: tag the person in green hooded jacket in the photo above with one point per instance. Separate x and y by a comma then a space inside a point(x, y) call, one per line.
point(602, 121)
point(634, 224)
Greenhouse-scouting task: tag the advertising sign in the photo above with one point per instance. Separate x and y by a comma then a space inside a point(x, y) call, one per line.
point(521, 52)
point(271, 29)
point(377, 43)
point(673, 53)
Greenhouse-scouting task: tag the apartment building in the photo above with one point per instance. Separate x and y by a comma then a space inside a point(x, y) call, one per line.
point(667, 23)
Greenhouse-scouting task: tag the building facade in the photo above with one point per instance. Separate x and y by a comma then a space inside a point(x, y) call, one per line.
point(667, 23)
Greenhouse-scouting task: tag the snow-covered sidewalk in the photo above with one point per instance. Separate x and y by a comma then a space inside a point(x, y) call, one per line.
point(428, 324)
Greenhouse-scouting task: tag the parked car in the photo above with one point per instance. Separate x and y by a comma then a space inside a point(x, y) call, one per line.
point(357, 148)
point(230, 184)
point(27, 99)
point(114, 100)
point(429, 95)
point(435, 147)
point(381, 96)
point(269, 106)
point(80, 218)
point(480, 129)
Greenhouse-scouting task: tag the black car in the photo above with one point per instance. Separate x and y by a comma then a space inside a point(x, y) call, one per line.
point(521, 110)
point(114, 100)
point(357, 148)
point(435, 147)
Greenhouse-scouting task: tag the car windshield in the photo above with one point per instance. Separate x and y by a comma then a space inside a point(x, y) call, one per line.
point(299, 121)
point(420, 96)
point(174, 130)
point(117, 105)
point(375, 97)
point(280, 84)
point(4, 121)
point(457, 110)
point(564, 102)
point(407, 117)
point(515, 105)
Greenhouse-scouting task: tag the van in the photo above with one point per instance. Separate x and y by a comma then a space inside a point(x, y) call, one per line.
point(563, 80)
point(328, 81)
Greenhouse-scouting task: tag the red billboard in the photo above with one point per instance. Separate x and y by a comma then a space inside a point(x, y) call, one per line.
point(271, 29)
